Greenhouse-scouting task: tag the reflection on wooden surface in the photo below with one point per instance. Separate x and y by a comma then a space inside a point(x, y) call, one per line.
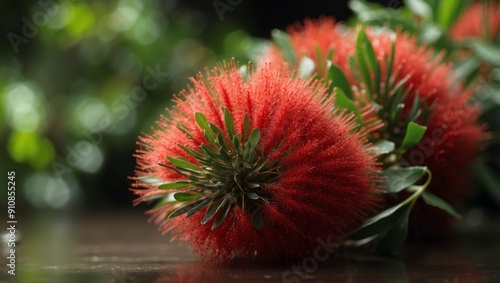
point(124, 248)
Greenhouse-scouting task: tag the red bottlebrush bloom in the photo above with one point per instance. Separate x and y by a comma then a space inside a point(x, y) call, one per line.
point(480, 20)
point(453, 138)
point(301, 174)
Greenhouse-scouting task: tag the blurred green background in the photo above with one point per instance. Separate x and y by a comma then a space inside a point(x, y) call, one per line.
point(79, 80)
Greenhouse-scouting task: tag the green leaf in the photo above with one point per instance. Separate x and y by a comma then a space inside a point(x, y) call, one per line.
point(401, 178)
point(257, 219)
point(366, 59)
point(228, 120)
point(382, 147)
point(489, 181)
point(253, 196)
point(218, 221)
point(181, 210)
point(381, 222)
point(342, 101)
point(213, 208)
point(182, 163)
point(447, 12)
point(205, 126)
point(183, 197)
point(338, 79)
point(486, 51)
point(173, 185)
point(282, 40)
point(253, 140)
point(415, 109)
point(395, 237)
point(433, 200)
point(420, 8)
point(199, 205)
point(414, 134)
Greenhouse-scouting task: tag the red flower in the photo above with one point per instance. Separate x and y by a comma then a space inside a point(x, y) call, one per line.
point(453, 138)
point(319, 178)
point(480, 20)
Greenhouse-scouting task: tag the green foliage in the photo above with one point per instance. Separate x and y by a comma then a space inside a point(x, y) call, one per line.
point(97, 74)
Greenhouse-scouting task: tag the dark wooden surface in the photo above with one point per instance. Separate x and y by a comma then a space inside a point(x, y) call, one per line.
point(123, 247)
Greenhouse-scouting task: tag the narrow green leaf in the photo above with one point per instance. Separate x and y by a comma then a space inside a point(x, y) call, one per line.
point(415, 109)
point(486, 51)
point(173, 185)
point(182, 163)
point(183, 197)
point(398, 179)
point(364, 62)
point(257, 219)
point(201, 120)
point(218, 221)
point(382, 147)
point(282, 40)
point(342, 101)
point(252, 195)
point(395, 237)
point(197, 155)
point(199, 205)
point(414, 134)
point(380, 222)
point(181, 210)
point(389, 67)
point(213, 207)
point(253, 140)
point(370, 58)
point(447, 12)
point(338, 79)
point(204, 125)
point(228, 120)
point(432, 199)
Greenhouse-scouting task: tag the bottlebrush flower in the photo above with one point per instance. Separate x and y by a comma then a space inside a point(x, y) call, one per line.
point(453, 137)
point(480, 20)
point(261, 164)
